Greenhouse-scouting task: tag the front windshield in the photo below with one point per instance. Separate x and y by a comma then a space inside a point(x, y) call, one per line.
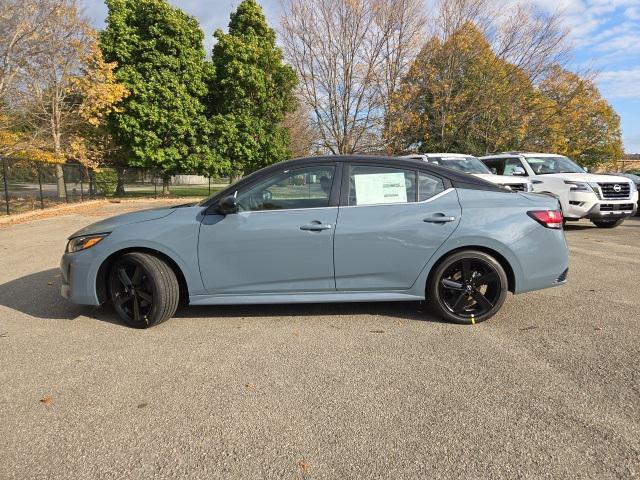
point(464, 164)
point(547, 165)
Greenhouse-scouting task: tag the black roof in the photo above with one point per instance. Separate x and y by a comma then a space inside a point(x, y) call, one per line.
point(457, 178)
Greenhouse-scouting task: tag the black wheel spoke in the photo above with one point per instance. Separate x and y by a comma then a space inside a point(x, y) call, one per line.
point(137, 276)
point(145, 296)
point(466, 270)
point(124, 277)
point(451, 285)
point(461, 302)
point(482, 300)
point(122, 299)
point(136, 308)
point(486, 278)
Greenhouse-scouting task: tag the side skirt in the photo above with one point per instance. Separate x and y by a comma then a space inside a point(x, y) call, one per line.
point(310, 297)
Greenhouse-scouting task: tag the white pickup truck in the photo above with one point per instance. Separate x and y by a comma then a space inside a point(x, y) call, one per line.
point(470, 164)
point(606, 200)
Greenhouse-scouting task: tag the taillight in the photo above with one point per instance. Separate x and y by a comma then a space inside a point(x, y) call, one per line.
point(547, 218)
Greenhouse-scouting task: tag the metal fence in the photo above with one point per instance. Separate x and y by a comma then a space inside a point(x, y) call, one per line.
point(28, 185)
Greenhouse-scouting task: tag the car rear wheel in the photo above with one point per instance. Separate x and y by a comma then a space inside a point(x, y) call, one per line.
point(144, 290)
point(467, 287)
point(608, 223)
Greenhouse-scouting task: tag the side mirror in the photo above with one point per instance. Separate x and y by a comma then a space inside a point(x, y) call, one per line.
point(228, 205)
point(586, 170)
point(518, 172)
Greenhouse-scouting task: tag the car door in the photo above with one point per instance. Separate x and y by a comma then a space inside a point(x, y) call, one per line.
point(279, 241)
point(391, 222)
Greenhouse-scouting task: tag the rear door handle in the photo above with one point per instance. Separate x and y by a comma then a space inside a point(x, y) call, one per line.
point(316, 226)
point(439, 218)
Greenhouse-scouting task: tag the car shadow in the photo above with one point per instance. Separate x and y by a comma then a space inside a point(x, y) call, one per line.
point(401, 310)
point(38, 295)
point(578, 226)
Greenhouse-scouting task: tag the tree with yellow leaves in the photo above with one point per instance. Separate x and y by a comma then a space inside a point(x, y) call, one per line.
point(459, 97)
point(572, 118)
point(70, 89)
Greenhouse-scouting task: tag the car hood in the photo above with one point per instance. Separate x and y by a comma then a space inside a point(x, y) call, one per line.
point(109, 224)
point(501, 179)
point(587, 177)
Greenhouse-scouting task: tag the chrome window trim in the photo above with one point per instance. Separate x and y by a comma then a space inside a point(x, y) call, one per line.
point(430, 199)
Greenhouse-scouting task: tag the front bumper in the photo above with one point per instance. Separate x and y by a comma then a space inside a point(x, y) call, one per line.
point(588, 205)
point(78, 277)
point(612, 210)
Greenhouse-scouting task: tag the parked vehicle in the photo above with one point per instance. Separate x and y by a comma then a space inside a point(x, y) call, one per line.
point(326, 229)
point(471, 165)
point(603, 199)
point(635, 178)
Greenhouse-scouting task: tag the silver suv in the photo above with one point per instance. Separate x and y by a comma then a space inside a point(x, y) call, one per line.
point(604, 199)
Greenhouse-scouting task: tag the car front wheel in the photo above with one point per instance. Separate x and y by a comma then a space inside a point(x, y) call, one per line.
point(467, 287)
point(608, 223)
point(144, 289)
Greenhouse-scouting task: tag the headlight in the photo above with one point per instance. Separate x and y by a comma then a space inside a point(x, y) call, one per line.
point(82, 243)
point(579, 186)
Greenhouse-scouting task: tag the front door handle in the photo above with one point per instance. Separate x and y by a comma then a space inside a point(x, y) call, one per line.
point(439, 218)
point(316, 226)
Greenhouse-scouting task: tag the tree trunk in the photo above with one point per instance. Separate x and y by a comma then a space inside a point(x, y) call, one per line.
point(120, 185)
point(235, 176)
point(60, 181)
point(165, 185)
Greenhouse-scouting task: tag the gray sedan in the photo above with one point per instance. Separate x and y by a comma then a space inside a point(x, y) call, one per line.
point(325, 229)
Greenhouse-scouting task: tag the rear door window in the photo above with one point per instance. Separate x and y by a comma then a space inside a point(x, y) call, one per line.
point(372, 185)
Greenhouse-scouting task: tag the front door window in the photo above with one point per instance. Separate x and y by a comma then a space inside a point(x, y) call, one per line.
point(289, 189)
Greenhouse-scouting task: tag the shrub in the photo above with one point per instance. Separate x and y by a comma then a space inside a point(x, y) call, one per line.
point(106, 181)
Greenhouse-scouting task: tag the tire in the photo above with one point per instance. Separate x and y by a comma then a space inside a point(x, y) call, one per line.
point(607, 223)
point(144, 290)
point(467, 287)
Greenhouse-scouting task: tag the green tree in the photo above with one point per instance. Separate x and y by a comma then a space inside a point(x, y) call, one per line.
point(160, 56)
point(250, 92)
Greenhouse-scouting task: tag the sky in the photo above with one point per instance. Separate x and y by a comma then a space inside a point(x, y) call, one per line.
point(605, 35)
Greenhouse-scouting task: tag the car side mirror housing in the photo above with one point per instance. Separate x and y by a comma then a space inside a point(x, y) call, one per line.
point(518, 172)
point(228, 205)
point(586, 170)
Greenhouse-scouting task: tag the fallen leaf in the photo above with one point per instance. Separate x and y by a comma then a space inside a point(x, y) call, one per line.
point(250, 385)
point(296, 333)
point(530, 327)
point(303, 465)
point(47, 400)
point(377, 331)
point(49, 283)
point(142, 405)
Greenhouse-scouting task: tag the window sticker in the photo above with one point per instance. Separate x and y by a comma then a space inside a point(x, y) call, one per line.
point(377, 188)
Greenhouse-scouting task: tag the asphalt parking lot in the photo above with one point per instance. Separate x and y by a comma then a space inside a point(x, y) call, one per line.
point(550, 387)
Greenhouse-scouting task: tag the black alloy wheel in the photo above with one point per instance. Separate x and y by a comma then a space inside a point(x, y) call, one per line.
point(144, 290)
point(468, 287)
